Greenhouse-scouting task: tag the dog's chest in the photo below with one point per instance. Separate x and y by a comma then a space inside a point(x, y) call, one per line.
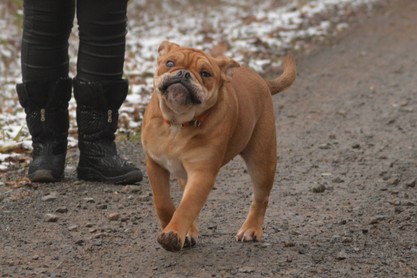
point(172, 164)
point(168, 148)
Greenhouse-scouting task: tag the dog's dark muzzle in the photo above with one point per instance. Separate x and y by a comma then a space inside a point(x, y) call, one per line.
point(178, 88)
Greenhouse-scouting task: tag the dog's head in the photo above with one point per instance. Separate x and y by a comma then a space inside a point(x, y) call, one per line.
point(188, 80)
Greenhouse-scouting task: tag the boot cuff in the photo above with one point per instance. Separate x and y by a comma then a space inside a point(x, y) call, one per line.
point(45, 93)
point(102, 95)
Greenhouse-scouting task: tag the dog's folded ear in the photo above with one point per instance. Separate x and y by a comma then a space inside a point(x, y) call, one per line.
point(226, 65)
point(165, 47)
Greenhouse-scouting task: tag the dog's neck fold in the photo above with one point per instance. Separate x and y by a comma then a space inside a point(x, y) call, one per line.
point(189, 118)
point(177, 116)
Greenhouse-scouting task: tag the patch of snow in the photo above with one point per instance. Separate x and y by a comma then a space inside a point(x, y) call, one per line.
point(256, 35)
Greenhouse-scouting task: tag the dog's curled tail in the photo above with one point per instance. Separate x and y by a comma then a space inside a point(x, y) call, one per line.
point(286, 78)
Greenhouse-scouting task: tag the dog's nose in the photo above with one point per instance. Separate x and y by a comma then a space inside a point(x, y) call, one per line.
point(184, 74)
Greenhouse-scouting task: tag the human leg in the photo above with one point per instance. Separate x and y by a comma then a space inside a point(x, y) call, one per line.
point(100, 90)
point(46, 88)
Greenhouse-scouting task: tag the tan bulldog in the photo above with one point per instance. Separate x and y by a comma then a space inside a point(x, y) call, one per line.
point(203, 112)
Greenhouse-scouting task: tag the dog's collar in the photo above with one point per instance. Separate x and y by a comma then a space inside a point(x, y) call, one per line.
point(196, 122)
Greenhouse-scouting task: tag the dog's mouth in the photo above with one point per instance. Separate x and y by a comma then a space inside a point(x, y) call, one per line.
point(179, 91)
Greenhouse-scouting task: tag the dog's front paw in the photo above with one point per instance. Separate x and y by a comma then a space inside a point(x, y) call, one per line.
point(190, 241)
point(170, 241)
point(249, 234)
point(191, 238)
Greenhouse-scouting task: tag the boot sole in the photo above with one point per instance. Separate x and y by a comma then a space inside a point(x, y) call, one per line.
point(43, 176)
point(94, 175)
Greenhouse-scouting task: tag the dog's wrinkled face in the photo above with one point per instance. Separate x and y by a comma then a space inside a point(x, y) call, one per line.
point(188, 80)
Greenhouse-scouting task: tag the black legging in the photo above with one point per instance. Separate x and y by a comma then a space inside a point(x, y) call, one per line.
point(46, 28)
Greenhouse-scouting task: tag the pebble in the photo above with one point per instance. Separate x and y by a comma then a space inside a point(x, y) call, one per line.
point(406, 109)
point(342, 112)
point(114, 216)
point(316, 258)
point(101, 206)
point(394, 202)
point(377, 219)
point(99, 235)
point(385, 176)
point(124, 218)
point(265, 245)
point(49, 217)
point(72, 228)
point(324, 146)
point(398, 210)
point(246, 269)
point(145, 197)
point(40, 270)
point(288, 243)
point(62, 210)
point(50, 197)
point(335, 238)
point(319, 188)
point(89, 200)
point(337, 180)
point(341, 255)
point(212, 227)
point(342, 222)
point(134, 188)
point(393, 181)
point(347, 239)
point(411, 183)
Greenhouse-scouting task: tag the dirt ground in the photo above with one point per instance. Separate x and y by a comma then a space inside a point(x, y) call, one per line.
point(344, 202)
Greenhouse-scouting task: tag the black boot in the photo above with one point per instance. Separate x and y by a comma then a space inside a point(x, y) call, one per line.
point(46, 107)
point(97, 117)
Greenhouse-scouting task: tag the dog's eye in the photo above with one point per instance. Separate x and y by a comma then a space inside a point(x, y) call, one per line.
point(205, 74)
point(170, 64)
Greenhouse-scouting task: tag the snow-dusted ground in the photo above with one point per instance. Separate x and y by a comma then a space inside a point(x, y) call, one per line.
point(255, 33)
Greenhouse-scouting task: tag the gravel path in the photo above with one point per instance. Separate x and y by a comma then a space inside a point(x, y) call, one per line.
point(345, 199)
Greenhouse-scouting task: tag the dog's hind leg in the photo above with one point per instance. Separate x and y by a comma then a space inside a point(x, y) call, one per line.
point(261, 159)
